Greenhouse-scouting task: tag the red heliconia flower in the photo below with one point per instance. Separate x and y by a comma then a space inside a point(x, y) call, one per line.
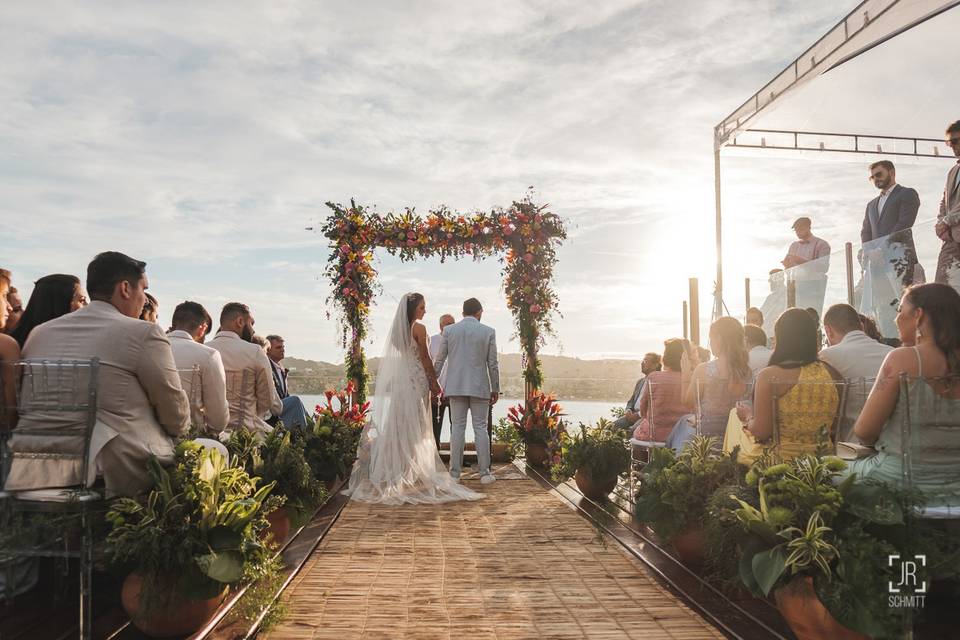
point(329, 395)
point(350, 387)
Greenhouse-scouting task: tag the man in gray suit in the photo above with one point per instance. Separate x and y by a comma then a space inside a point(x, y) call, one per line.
point(948, 221)
point(473, 382)
point(141, 406)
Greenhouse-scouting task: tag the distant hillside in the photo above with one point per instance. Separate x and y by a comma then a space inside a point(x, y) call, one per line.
point(569, 378)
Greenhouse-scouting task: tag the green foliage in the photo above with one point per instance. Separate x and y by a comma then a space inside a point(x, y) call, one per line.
point(599, 450)
point(503, 431)
point(199, 525)
point(260, 601)
point(280, 459)
point(674, 489)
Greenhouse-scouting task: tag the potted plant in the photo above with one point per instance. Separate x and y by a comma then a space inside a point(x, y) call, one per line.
point(194, 535)
point(674, 490)
point(538, 423)
point(330, 442)
point(506, 442)
point(280, 460)
point(595, 457)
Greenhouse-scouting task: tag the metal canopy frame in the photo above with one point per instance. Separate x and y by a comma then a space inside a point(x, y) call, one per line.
point(820, 57)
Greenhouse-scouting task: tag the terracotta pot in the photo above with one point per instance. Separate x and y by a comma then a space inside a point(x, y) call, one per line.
point(806, 615)
point(279, 520)
point(499, 452)
point(691, 546)
point(537, 455)
point(594, 489)
point(169, 614)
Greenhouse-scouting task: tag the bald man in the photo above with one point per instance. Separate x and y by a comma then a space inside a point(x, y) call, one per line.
point(439, 407)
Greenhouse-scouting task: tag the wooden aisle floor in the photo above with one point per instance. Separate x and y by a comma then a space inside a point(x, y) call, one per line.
point(517, 564)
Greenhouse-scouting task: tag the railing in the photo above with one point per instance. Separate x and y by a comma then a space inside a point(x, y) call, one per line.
point(870, 276)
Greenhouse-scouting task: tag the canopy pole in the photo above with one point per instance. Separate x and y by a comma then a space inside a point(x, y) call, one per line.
point(718, 295)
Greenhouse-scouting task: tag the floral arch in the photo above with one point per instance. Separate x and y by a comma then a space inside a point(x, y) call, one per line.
point(525, 237)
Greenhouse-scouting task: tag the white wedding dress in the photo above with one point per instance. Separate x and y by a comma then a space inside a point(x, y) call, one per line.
point(397, 460)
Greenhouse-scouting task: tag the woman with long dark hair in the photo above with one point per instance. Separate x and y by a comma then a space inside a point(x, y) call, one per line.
point(929, 317)
point(805, 391)
point(53, 296)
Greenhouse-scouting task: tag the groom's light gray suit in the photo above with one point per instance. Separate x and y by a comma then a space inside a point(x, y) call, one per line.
point(470, 351)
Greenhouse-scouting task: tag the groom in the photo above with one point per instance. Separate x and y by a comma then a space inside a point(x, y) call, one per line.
point(473, 382)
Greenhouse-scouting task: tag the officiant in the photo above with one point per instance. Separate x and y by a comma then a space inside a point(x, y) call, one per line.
point(439, 406)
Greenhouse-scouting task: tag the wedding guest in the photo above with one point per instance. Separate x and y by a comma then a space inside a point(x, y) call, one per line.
point(758, 353)
point(661, 399)
point(260, 341)
point(807, 246)
point(294, 414)
point(804, 390)
point(140, 404)
point(776, 301)
point(208, 400)
point(714, 387)
point(9, 353)
point(870, 327)
point(929, 317)
point(151, 308)
point(754, 317)
point(52, 297)
point(808, 260)
point(948, 220)
point(250, 391)
point(16, 309)
point(855, 356)
point(439, 406)
point(649, 364)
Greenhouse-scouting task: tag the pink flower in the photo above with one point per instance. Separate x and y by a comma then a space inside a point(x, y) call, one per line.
point(411, 243)
point(344, 248)
point(535, 308)
point(411, 234)
point(528, 258)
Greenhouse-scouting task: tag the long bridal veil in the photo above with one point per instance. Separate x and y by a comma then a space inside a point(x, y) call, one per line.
point(397, 460)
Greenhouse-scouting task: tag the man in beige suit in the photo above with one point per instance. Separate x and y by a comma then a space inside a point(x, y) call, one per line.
point(208, 399)
point(948, 221)
point(251, 393)
point(140, 405)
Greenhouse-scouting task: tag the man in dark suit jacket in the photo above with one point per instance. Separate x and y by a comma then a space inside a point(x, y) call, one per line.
point(892, 213)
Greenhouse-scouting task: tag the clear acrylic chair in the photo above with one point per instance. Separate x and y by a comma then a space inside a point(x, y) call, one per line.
point(191, 380)
point(241, 397)
point(57, 404)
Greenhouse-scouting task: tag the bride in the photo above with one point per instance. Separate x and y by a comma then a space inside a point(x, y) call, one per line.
point(397, 460)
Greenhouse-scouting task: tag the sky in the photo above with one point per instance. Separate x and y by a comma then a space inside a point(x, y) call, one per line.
point(205, 138)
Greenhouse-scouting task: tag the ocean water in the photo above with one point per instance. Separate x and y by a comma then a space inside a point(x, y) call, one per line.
point(576, 411)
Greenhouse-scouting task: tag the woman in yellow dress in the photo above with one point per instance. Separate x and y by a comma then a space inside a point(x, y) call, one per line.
point(797, 396)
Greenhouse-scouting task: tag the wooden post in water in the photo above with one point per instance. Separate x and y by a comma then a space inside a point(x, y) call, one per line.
point(791, 293)
point(746, 294)
point(686, 327)
point(694, 311)
point(849, 251)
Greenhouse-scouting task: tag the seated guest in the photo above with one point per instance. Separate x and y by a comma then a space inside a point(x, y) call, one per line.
point(151, 308)
point(293, 414)
point(754, 317)
point(804, 389)
point(53, 296)
point(16, 309)
point(140, 405)
point(252, 397)
point(9, 353)
point(929, 316)
point(661, 400)
point(713, 387)
point(816, 320)
point(260, 341)
point(649, 364)
point(208, 403)
point(758, 353)
point(855, 357)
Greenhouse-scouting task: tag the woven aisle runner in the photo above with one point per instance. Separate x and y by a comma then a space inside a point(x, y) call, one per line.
point(517, 564)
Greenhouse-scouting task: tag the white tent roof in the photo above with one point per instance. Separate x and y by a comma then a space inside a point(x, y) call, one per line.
point(888, 68)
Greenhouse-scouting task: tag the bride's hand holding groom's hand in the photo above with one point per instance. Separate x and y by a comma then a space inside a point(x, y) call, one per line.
point(435, 389)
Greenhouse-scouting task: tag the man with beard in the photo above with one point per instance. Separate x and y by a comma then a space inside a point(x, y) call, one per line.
point(948, 220)
point(251, 393)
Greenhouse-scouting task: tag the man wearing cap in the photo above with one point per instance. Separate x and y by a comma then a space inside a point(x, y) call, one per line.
point(807, 262)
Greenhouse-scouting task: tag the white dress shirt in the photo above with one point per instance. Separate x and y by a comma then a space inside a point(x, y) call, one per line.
point(758, 358)
point(433, 347)
point(208, 402)
point(857, 358)
point(251, 394)
point(883, 199)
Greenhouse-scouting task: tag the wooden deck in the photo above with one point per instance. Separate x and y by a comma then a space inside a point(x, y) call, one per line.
point(518, 564)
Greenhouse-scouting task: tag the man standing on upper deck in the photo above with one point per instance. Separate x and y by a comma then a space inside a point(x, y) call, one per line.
point(948, 221)
point(807, 262)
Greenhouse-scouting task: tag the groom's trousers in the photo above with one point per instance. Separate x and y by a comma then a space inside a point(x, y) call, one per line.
point(479, 408)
